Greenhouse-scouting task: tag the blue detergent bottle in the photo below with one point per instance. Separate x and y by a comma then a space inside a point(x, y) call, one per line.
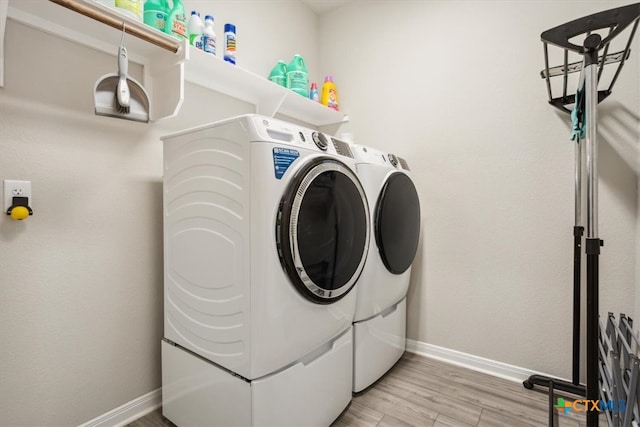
point(230, 43)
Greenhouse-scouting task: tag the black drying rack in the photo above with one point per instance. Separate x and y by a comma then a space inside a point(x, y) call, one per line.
point(584, 113)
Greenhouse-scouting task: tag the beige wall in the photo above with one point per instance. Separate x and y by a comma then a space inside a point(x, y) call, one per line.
point(81, 280)
point(454, 87)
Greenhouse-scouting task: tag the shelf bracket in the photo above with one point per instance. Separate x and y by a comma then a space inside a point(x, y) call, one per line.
point(164, 81)
point(270, 106)
point(333, 128)
point(4, 8)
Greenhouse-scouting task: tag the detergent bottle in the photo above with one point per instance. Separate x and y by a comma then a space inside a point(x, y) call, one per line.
point(313, 92)
point(298, 76)
point(155, 13)
point(177, 21)
point(329, 94)
point(195, 28)
point(209, 36)
point(230, 43)
point(131, 8)
point(279, 74)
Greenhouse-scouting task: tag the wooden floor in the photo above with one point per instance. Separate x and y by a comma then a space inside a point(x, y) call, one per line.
point(423, 392)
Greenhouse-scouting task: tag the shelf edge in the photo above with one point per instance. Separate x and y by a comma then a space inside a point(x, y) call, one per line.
point(185, 65)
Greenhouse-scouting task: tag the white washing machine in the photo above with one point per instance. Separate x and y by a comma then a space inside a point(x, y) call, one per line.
point(266, 230)
point(380, 320)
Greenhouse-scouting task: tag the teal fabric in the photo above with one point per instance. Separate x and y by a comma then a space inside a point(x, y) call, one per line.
point(578, 117)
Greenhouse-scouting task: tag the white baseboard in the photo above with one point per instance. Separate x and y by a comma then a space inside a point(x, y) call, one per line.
point(129, 412)
point(476, 363)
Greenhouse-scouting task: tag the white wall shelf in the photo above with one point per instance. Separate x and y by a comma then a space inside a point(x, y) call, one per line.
point(165, 69)
point(214, 73)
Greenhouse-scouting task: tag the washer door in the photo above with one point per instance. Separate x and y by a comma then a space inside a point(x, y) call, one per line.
point(397, 223)
point(322, 231)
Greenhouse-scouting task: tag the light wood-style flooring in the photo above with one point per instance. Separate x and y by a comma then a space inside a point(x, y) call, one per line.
point(423, 392)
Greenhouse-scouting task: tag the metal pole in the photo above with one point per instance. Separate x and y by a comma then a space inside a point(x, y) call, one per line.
point(591, 97)
point(577, 244)
point(591, 44)
point(578, 182)
point(551, 411)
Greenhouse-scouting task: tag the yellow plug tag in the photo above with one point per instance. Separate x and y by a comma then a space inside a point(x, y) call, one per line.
point(19, 212)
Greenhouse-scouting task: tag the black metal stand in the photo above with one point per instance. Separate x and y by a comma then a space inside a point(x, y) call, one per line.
point(575, 363)
point(558, 384)
point(593, 382)
point(573, 387)
point(593, 242)
point(585, 102)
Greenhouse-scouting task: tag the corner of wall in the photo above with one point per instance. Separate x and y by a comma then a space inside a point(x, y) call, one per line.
point(637, 290)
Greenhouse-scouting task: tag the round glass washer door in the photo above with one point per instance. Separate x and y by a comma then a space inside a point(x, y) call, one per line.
point(397, 222)
point(322, 231)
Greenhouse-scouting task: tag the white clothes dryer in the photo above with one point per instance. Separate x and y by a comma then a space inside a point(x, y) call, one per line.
point(266, 231)
point(380, 318)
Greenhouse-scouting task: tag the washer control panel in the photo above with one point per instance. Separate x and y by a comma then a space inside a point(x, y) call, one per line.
point(342, 148)
point(270, 129)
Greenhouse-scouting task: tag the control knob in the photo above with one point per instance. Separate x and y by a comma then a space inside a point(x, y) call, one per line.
point(320, 140)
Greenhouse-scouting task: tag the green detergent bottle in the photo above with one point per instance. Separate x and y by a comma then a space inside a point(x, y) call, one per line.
point(177, 21)
point(298, 76)
point(279, 74)
point(155, 13)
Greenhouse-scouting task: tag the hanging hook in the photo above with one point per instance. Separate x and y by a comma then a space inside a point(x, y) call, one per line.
point(124, 28)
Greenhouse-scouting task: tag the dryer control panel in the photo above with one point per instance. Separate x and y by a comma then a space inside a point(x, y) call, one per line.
point(404, 164)
point(369, 155)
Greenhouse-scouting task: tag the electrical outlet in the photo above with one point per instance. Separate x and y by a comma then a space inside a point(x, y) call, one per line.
point(13, 188)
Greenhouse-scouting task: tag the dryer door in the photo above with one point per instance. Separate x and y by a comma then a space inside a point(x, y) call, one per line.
point(397, 222)
point(322, 231)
